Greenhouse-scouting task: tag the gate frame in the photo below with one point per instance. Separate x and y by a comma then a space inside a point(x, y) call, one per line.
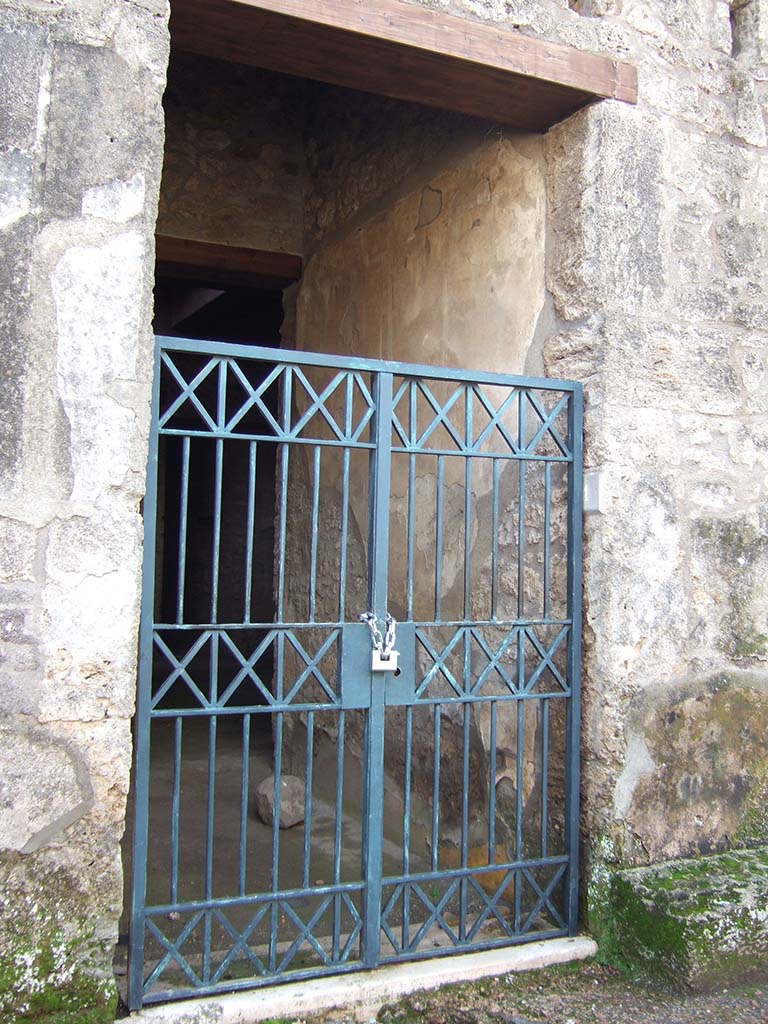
point(377, 584)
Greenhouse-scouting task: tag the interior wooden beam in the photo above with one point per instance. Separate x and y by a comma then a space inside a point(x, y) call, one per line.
point(225, 265)
point(406, 52)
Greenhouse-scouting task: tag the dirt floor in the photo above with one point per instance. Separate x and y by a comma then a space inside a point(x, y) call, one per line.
point(585, 993)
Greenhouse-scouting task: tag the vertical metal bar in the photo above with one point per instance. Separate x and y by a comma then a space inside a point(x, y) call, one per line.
point(183, 513)
point(209, 834)
point(467, 540)
point(413, 424)
point(143, 706)
point(412, 436)
point(521, 511)
point(337, 835)
point(345, 502)
point(519, 809)
point(344, 533)
point(547, 533)
point(468, 506)
point(283, 499)
point(349, 398)
point(495, 542)
point(378, 550)
point(244, 787)
point(308, 796)
point(408, 740)
point(221, 395)
point(410, 535)
point(274, 938)
point(407, 824)
point(464, 823)
point(313, 533)
point(217, 495)
point(544, 778)
point(175, 808)
point(249, 528)
point(436, 787)
point(282, 529)
point(520, 640)
point(439, 538)
point(575, 497)
point(492, 787)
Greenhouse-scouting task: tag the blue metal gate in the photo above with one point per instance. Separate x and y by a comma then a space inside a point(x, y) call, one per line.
point(308, 801)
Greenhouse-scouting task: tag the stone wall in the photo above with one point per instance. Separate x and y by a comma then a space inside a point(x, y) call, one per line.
point(657, 270)
point(656, 273)
point(233, 171)
point(80, 153)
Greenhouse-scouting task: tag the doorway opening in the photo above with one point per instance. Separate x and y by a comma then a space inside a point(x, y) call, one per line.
point(413, 227)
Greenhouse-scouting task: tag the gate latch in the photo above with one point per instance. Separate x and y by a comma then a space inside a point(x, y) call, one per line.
point(383, 657)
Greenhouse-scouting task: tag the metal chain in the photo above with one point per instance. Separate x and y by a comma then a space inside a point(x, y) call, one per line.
point(383, 644)
point(389, 636)
point(370, 620)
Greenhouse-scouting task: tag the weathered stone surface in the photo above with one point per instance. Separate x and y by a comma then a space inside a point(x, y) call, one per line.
point(80, 135)
point(22, 62)
point(696, 767)
point(36, 805)
point(18, 551)
point(290, 801)
point(653, 241)
point(234, 168)
point(694, 924)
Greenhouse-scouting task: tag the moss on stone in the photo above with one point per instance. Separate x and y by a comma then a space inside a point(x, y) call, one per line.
point(45, 977)
point(753, 826)
point(691, 924)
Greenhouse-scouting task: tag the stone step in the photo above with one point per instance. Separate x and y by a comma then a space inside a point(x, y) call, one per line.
point(696, 924)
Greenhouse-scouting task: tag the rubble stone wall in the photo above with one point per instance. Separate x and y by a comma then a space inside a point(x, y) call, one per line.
point(233, 171)
point(81, 134)
point(657, 269)
point(656, 278)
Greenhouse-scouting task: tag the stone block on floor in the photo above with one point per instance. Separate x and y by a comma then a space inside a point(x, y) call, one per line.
point(696, 924)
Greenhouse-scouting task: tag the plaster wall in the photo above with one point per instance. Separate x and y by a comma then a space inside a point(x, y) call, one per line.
point(451, 272)
point(426, 243)
point(81, 136)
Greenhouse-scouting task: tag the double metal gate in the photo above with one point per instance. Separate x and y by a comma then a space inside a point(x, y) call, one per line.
point(297, 811)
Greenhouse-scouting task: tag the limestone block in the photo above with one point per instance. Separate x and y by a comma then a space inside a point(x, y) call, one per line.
point(95, 351)
point(607, 206)
point(18, 550)
point(291, 800)
point(36, 805)
point(690, 367)
point(694, 923)
point(742, 245)
point(695, 778)
point(15, 248)
point(22, 60)
point(91, 139)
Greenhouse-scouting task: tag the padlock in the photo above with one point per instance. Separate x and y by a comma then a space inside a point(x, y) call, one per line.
point(381, 662)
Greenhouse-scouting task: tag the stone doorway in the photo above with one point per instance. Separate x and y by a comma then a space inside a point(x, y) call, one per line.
point(413, 226)
point(400, 774)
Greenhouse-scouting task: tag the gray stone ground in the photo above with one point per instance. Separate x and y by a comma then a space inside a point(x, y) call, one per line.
point(587, 993)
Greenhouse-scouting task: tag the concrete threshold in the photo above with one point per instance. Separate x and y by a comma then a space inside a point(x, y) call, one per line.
point(364, 993)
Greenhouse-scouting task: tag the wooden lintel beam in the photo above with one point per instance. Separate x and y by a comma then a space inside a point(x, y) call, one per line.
point(225, 265)
point(407, 52)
